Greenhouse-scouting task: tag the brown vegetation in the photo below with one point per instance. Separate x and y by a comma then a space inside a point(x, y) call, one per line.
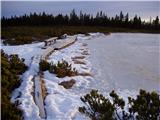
point(85, 74)
point(78, 62)
point(78, 57)
point(68, 84)
point(84, 44)
point(85, 52)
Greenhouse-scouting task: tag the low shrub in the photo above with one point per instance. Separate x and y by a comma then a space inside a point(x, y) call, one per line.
point(17, 64)
point(11, 67)
point(145, 107)
point(44, 65)
point(97, 106)
point(63, 69)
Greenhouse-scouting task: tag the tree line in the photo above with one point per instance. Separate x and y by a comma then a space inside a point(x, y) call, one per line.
point(81, 19)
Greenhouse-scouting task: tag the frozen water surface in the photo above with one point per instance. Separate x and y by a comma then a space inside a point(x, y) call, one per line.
point(125, 61)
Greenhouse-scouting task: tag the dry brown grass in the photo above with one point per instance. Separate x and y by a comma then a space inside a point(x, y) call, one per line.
point(84, 44)
point(79, 62)
point(85, 52)
point(68, 84)
point(78, 57)
point(81, 49)
point(85, 74)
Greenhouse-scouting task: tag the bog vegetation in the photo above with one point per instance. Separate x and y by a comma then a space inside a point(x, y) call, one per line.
point(37, 27)
point(146, 106)
point(11, 67)
point(61, 69)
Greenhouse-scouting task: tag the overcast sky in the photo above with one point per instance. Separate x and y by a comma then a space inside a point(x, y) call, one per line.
point(143, 9)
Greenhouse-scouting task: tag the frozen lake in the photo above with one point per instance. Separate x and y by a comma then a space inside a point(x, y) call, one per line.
point(125, 61)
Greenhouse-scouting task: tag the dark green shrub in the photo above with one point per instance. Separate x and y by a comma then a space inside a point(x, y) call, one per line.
point(119, 104)
point(146, 106)
point(63, 69)
point(10, 111)
point(97, 106)
point(44, 65)
point(17, 64)
point(11, 67)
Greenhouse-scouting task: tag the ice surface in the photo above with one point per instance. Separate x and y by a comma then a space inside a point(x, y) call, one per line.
point(126, 61)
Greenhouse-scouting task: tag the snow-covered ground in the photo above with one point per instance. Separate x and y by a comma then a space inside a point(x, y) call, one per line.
point(121, 61)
